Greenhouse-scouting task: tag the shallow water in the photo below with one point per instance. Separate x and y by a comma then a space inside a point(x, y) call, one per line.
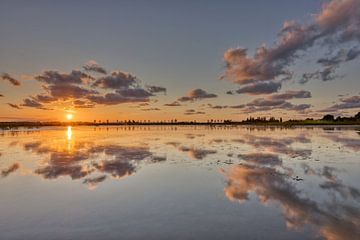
point(180, 182)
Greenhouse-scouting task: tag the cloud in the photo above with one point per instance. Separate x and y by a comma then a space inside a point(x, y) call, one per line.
point(134, 93)
point(151, 109)
point(268, 104)
point(44, 98)
point(330, 64)
point(291, 94)
point(276, 101)
point(242, 69)
point(336, 24)
point(262, 102)
point(116, 80)
point(352, 102)
point(260, 88)
point(193, 112)
point(115, 98)
point(93, 66)
point(83, 104)
point(68, 91)
point(237, 106)
point(196, 94)
point(156, 89)
point(173, 104)
point(60, 86)
point(86, 91)
point(31, 103)
point(13, 81)
point(56, 78)
point(14, 106)
point(218, 106)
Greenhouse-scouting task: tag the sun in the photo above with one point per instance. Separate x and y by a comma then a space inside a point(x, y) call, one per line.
point(69, 116)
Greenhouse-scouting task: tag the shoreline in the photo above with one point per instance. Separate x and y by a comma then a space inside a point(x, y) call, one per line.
point(31, 125)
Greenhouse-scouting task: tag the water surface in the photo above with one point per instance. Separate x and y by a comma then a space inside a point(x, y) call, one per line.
point(180, 182)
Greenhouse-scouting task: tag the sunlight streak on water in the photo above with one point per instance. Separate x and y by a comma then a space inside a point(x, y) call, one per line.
point(69, 133)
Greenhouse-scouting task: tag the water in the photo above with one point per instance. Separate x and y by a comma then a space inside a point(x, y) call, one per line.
point(180, 183)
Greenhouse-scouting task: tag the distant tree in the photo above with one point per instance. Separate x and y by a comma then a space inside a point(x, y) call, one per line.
point(357, 116)
point(328, 117)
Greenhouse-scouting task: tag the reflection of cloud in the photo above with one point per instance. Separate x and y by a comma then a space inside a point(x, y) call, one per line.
point(281, 146)
point(116, 168)
point(55, 171)
point(9, 170)
point(123, 153)
point(351, 143)
point(195, 153)
point(93, 182)
point(261, 158)
point(334, 221)
point(156, 159)
point(120, 160)
point(343, 190)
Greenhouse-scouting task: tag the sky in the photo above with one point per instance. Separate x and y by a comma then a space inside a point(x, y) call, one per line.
point(184, 60)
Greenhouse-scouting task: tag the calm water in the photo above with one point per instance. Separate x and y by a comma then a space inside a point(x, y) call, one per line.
point(180, 183)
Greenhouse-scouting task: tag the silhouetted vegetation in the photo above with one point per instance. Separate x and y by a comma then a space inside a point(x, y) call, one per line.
point(326, 120)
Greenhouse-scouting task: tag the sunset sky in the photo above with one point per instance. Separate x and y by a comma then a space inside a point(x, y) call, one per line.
point(161, 60)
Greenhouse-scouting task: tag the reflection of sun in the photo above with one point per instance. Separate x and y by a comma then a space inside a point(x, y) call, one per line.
point(69, 132)
point(69, 116)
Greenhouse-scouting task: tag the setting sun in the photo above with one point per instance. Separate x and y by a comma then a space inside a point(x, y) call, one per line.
point(69, 116)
